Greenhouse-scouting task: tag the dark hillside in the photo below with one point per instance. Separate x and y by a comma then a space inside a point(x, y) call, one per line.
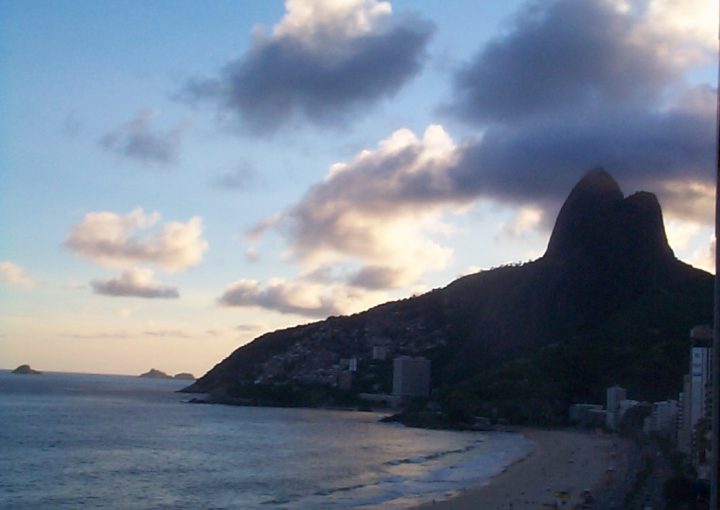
point(607, 303)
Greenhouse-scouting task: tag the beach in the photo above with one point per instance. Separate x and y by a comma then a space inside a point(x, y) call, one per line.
point(561, 466)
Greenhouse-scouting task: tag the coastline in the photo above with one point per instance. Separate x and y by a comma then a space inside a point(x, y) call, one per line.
point(560, 460)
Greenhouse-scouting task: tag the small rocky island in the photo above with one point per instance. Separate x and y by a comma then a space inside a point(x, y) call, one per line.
point(156, 374)
point(26, 370)
point(185, 376)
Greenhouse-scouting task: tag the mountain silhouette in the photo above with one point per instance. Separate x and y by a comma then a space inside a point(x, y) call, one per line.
point(607, 303)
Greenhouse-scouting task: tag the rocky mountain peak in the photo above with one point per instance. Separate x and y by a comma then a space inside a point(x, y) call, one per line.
point(598, 223)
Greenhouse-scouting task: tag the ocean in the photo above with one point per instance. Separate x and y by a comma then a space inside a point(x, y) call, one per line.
point(70, 441)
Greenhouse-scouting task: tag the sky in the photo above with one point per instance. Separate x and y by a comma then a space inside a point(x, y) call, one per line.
point(178, 178)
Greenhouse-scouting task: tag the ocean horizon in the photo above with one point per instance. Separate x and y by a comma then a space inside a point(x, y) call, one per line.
point(104, 441)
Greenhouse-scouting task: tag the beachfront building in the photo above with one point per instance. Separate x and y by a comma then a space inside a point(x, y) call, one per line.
point(700, 372)
point(694, 406)
point(614, 395)
point(663, 418)
point(587, 416)
point(380, 352)
point(350, 364)
point(684, 431)
point(411, 377)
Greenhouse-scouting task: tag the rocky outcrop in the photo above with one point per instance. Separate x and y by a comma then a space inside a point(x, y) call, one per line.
point(156, 374)
point(26, 370)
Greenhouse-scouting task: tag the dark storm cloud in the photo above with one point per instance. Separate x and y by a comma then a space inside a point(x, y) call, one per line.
point(283, 77)
point(562, 56)
point(576, 85)
point(540, 161)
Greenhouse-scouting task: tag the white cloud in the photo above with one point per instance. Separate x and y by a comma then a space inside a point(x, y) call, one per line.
point(471, 270)
point(681, 233)
point(311, 21)
point(137, 282)
point(527, 219)
point(14, 275)
point(704, 258)
point(689, 201)
point(684, 30)
point(383, 211)
point(112, 239)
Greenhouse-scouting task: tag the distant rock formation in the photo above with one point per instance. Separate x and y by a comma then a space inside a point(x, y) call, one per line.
point(184, 375)
point(156, 374)
point(27, 370)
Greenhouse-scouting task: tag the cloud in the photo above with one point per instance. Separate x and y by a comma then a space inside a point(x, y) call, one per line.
point(298, 297)
point(113, 240)
point(527, 219)
point(553, 97)
point(14, 275)
point(558, 94)
point(322, 61)
point(566, 56)
point(156, 332)
point(243, 178)
point(165, 333)
point(382, 210)
point(135, 282)
point(135, 140)
point(538, 162)
point(689, 200)
point(250, 328)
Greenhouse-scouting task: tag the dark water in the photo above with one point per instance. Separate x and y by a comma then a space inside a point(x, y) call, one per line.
point(88, 441)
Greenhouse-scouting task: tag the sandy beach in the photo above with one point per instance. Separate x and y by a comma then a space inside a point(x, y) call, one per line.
point(561, 461)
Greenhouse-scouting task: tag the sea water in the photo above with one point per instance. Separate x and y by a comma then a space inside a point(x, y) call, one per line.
point(71, 441)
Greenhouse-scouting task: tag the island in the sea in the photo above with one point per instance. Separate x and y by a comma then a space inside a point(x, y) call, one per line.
point(159, 374)
point(26, 370)
point(156, 374)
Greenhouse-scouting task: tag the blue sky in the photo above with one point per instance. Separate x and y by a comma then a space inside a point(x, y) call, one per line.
point(178, 178)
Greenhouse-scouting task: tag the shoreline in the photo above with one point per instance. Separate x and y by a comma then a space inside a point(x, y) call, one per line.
point(566, 461)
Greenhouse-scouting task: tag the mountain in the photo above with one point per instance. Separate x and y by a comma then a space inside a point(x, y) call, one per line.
point(607, 303)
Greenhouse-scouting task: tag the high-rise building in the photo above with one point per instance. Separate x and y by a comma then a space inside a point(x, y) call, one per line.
point(614, 395)
point(684, 439)
point(700, 372)
point(380, 352)
point(663, 419)
point(411, 377)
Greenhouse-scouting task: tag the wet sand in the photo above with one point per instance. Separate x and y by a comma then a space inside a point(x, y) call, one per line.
point(560, 461)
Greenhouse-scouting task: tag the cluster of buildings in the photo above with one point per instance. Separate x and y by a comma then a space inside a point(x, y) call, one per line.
point(410, 374)
point(685, 421)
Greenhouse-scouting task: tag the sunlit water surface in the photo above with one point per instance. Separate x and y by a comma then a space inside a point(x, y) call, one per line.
point(72, 441)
